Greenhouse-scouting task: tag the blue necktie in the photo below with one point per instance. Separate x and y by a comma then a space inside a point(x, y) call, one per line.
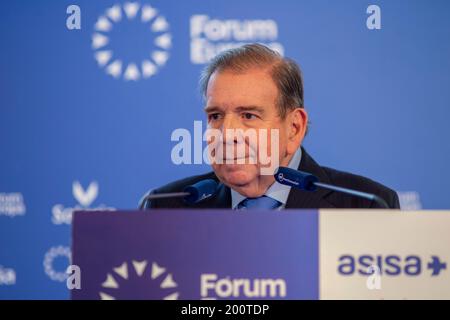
point(263, 202)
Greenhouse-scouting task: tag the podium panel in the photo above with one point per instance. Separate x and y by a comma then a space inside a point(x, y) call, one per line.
point(203, 254)
point(289, 254)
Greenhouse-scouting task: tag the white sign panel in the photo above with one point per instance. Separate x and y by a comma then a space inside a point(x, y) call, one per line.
point(376, 254)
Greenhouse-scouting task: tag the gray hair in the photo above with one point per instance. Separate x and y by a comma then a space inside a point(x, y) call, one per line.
point(285, 72)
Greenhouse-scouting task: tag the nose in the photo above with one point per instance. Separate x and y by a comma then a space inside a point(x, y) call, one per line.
point(229, 126)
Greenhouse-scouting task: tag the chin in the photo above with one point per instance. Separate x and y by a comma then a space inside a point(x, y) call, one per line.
point(237, 175)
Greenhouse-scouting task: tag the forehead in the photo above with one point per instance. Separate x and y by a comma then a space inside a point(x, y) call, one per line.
point(253, 87)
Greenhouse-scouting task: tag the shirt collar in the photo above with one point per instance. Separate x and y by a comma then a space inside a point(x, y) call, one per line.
point(276, 191)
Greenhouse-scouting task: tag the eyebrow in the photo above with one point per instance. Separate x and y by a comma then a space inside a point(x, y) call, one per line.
point(250, 108)
point(238, 109)
point(212, 109)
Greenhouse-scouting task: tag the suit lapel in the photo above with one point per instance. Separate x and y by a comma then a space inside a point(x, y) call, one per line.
point(307, 199)
point(222, 199)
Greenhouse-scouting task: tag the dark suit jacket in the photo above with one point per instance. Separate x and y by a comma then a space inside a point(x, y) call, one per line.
point(297, 198)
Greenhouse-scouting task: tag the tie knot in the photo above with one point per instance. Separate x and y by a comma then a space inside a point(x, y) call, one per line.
point(263, 202)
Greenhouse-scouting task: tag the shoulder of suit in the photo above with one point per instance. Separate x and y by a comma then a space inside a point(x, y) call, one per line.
point(175, 186)
point(360, 183)
point(179, 185)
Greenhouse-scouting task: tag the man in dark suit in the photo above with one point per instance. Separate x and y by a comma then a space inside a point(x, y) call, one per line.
point(254, 88)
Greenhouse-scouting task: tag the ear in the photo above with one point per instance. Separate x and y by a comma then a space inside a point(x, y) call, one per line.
point(297, 121)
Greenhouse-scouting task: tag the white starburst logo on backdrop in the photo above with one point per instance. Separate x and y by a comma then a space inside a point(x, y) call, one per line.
point(157, 274)
point(158, 27)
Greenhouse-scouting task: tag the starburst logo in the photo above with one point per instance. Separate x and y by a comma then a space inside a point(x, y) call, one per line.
point(136, 15)
point(49, 262)
point(122, 280)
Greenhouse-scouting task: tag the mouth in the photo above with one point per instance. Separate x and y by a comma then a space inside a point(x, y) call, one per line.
point(241, 160)
point(235, 158)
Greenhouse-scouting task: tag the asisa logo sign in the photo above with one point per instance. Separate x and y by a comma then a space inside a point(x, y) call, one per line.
point(131, 41)
point(391, 265)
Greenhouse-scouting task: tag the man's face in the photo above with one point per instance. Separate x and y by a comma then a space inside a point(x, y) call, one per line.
point(248, 101)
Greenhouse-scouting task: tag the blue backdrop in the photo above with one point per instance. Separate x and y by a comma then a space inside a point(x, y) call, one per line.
point(87, 114)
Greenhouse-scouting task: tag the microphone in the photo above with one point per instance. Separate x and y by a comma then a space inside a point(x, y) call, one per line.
point(194, 193)
point(308, 182)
